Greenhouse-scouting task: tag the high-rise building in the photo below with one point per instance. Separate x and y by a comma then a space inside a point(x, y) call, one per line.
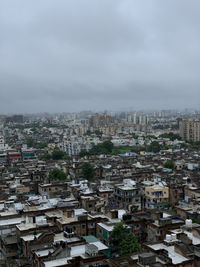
point(15, 119)
point(189, 130)
point(100, 120)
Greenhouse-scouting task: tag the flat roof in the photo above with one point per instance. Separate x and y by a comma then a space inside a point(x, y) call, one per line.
point(77, 250)
point(12, 221)
point(175, 257)
point(27, 226)
point(100, 245)
point(45, 252)
point(7, 212)
point(126, 187)
point(56, 263)
point(66, 220)
point(79, 211)
point(109, 228)
point(29, 237)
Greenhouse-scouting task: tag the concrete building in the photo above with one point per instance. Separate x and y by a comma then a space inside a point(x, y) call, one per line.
point(156, 195)
point(127, 194)
point(190, 130)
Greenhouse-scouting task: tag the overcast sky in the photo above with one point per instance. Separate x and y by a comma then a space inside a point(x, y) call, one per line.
point(71, 55)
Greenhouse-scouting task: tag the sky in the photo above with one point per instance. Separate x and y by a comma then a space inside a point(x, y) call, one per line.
point(73, 55)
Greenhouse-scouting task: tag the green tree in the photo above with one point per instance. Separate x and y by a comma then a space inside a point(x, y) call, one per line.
point(137, 149)
point(195, 145)
point(88, 171)
point(108, 146)
point(30, 142)
point(103, 148)
point(42, 145)
point(88, 133)
point(196, 220)
point(57, 174)
point(128, 245)
point(96, 150)
point(120, 230)
point(58, 154)
point(123, 240)
point(45, 156)
point(169, 164)
point(98, 133)
point(164, 146)
point(154, 147)
point(171, 136)
point(83, 153)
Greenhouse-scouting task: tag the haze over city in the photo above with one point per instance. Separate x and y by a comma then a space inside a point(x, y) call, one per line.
point(59, 56)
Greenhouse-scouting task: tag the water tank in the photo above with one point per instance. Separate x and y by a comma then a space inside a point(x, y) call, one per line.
point(173, 237)
point(188, 222)
point(168, 238)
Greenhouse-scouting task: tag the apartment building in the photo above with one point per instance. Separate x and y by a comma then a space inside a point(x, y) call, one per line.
point(156, 196)
point(190, 130)
point(127, 194)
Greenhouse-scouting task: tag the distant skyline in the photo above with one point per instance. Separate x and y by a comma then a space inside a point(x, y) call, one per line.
point(73, 55)
point(139, 111)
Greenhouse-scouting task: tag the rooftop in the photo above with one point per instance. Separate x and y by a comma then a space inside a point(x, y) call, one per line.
point(107, 227)
point(57, 262)
point(174, 256)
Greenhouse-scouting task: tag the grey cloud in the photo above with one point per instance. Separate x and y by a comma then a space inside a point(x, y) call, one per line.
point(90, 54)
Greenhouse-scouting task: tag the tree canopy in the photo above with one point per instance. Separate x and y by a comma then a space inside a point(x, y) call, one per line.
point(30, 142)
point(88, 171)
point(154, 147)
point(169, 164)
point(125, 241)
point(119, 231)
point(57, 174)
point(171, 136)
point(45, 156)
point(57, 154)
point(103, 148)
point(195, 145)
point(129, 244)
point(83, 153)
point(41, 145)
